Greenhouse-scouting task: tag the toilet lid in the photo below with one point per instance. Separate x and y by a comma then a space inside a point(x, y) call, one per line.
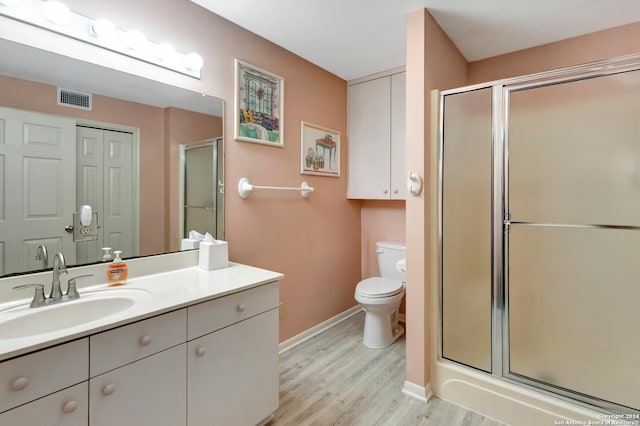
point(379, 287)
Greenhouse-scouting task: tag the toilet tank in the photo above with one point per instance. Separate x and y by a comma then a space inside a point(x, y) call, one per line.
point(389, 253)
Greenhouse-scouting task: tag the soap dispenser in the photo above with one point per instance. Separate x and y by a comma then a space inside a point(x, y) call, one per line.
point(117, 271)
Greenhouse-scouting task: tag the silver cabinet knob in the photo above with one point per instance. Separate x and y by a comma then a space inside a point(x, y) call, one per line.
point(109, 389)
point(20, 383)
point(145, 340)
point(70, 407)
point(395, 191)
point(241, 307)
point(386, 191)
point(201, 351)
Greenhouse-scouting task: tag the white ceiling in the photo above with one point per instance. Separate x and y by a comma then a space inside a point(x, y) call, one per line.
point(354, 38)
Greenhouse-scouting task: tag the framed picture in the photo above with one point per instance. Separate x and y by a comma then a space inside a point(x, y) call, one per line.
point(319, 151)
point(259, 104)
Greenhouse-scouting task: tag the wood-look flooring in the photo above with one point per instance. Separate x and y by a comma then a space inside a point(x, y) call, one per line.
point(332, 379)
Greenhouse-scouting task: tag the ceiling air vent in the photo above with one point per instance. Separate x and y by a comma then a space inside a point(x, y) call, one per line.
point(74, 99)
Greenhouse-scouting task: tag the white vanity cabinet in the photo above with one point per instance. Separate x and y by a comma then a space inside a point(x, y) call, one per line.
point(232, 359)
point(208, 363)
point(377, 123)
point(138, 373)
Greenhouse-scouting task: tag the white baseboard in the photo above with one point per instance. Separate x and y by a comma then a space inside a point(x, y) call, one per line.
point(315, 330)
point(417, 392)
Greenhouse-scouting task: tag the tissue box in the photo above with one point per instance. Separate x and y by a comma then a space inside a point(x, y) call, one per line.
point(213, 255)
point(188, 244)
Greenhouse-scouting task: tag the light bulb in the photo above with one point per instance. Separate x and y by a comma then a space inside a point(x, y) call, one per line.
point(102, 28)
point(194, 62)
point(56, 12)
point(135, 40)
point(165, 52)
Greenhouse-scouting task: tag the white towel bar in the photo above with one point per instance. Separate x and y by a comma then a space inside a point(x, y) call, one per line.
point(245, 187)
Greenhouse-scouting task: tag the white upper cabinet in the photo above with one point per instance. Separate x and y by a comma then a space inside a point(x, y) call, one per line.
point(377, 138)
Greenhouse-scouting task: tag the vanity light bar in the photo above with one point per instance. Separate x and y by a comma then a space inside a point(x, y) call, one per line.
point(54, 16)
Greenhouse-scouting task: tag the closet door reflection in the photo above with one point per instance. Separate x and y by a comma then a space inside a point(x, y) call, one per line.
point(574, 199)
point(466, 229)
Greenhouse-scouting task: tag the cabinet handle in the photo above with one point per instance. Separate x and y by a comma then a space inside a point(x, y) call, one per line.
point(201, 351)
point(20, 383)
point(109, 389)
point(241, 307)
point(70, 407)
point(386, 191)
point(145, 340)
point(395, 191)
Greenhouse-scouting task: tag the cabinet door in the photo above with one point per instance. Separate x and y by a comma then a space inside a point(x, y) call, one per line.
point(68, 407)
point(398, 137)
point(151, 391)
point(369, 139)
point(233, 373)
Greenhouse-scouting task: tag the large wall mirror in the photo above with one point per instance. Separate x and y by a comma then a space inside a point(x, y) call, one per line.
point(91, 157)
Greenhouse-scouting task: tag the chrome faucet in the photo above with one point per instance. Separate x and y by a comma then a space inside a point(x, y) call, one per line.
point(56, 296)
point(59, 266)
point(41, 254)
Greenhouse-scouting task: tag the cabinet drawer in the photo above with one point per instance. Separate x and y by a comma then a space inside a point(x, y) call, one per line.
point(123, 345)
point(42, 373)
point(219, 313)
point(69, 407)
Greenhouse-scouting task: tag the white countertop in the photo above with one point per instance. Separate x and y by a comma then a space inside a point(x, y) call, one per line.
point(167, 291)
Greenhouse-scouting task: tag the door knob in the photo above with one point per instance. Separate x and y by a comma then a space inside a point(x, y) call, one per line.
point(69, 228)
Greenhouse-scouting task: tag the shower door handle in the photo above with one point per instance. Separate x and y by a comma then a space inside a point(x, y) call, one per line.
point(507, 221)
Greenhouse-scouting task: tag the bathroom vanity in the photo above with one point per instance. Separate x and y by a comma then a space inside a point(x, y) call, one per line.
point(194, 348)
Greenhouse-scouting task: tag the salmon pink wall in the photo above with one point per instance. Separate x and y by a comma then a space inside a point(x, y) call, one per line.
point(314, 242)
point(433, 62)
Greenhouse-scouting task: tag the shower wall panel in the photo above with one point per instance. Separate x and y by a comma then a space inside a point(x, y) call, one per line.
point(466, 229)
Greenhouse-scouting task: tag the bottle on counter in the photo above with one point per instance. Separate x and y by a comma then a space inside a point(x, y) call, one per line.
point(117, 271)
point(106, 254)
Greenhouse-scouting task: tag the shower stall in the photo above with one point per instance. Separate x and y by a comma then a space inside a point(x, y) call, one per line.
point(539, 233)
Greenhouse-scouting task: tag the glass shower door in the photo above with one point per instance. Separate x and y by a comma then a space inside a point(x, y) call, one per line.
point(573, 243)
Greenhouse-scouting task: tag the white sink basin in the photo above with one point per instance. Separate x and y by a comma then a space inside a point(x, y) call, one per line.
point(23, 321)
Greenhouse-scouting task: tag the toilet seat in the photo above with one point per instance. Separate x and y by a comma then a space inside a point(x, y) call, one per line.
point(378, 287)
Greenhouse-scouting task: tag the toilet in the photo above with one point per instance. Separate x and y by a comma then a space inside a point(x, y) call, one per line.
point(380, 297)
